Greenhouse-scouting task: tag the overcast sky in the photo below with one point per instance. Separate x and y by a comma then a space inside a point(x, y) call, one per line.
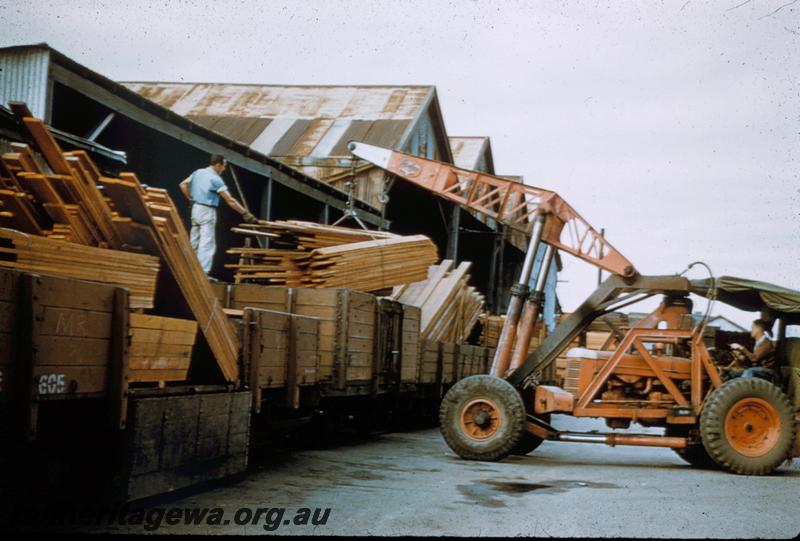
point(674, 125)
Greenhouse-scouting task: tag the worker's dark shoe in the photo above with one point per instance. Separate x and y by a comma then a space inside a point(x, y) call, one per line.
point(212, 279)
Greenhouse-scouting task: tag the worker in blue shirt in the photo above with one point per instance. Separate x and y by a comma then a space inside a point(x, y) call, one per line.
point(203, 189)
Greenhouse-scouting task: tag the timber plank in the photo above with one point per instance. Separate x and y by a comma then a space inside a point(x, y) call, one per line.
point(151, 375)
point(143, 349)
point(47, 145)
point(143, 321)
point(23, 216)
point(162, 337)
point(161, 362)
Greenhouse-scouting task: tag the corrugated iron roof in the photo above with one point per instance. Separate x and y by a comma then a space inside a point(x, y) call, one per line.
point(467, 151)
point(295, 121)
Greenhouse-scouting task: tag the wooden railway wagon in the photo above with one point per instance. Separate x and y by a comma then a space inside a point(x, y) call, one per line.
point(372, 365)
point(80, 403)
point(75, 350)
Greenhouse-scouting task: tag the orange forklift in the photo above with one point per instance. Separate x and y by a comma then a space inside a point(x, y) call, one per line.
point(660, 373)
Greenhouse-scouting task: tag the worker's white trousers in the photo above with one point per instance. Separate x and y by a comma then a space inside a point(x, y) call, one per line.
point(204, 244)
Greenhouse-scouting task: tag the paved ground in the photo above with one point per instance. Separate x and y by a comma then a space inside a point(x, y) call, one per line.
point(411, 484)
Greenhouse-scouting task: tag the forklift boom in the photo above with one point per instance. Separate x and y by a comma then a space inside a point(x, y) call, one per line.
point(541, 214)
point(511, 203)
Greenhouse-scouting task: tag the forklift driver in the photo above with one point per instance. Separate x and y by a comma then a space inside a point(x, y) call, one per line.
point(757, 363)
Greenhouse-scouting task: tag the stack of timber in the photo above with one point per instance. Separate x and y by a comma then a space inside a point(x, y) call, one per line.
point(291, 243)
point(65, 197)
point(492, 327)
point(267, 266)
point(135, 272)
point(313, 255)
point(449, 308)
point(371, 265)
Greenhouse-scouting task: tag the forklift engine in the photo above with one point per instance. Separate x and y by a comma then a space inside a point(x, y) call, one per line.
point(633, 380)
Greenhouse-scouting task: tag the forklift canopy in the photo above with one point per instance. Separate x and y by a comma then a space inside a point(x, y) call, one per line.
point(753, 296)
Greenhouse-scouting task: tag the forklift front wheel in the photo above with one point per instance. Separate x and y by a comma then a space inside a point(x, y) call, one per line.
point(482, 417)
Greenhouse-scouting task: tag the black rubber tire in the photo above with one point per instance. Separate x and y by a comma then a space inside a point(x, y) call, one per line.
point(508, 434)
point(694, 454)
point(529, 442)
point(715, 439)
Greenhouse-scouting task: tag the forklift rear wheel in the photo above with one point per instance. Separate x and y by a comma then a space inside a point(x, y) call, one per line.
point(695, 454)
point(482, 418)
point(529, 442)
point(747, 426)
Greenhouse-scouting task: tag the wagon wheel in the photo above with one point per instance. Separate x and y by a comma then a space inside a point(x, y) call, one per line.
point(747, 426)
point(482, 418)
